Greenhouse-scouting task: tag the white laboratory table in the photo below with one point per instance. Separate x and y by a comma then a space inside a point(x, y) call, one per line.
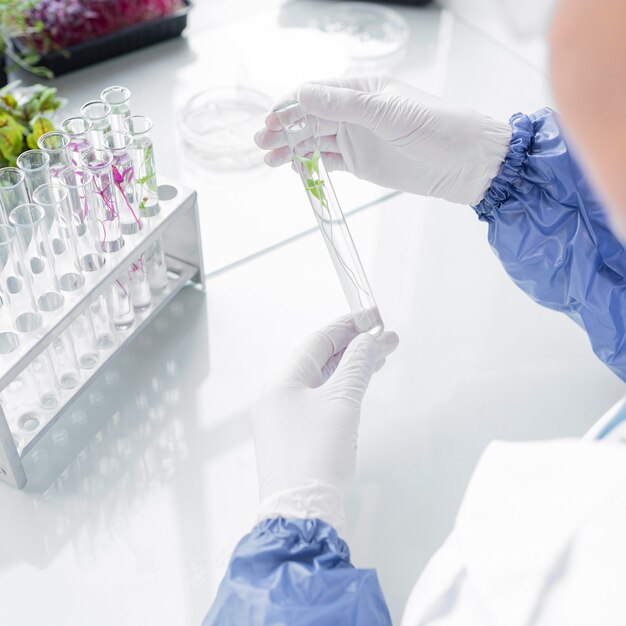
point(138, 495)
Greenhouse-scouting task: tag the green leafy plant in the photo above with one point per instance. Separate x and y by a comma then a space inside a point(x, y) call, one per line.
point(25, 115)
point(314, 182)
point(316, 186)
point(15, 22)
point(146, 181)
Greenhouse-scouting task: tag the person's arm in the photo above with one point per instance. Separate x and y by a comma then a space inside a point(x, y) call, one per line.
point(296, 571)
point(551, 233)
point(293, 568)
point(545, 223)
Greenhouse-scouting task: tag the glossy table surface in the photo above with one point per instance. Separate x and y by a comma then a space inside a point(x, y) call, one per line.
point(138, 495)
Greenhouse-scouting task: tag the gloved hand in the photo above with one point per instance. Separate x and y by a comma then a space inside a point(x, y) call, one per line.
point(307, 419)
point(390, 133)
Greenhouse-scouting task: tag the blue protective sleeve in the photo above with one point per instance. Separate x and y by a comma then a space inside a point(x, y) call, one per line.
point(550, 231)
point(296, 572)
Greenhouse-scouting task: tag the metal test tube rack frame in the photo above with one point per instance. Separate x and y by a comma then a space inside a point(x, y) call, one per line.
point(178, 225)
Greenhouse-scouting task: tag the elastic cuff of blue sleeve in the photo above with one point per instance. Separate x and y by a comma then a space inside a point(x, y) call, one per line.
point(308, 531)
point(499, 191)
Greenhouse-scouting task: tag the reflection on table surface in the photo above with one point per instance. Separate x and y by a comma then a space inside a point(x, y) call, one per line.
point(121, 435)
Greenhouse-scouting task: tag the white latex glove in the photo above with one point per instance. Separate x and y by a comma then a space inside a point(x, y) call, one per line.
point(390, 133)
point(306, 423)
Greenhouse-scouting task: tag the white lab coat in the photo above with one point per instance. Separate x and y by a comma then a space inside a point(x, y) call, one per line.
point(539, 540)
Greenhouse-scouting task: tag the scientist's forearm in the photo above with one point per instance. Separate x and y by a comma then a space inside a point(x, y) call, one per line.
point(550, 231)
point(296, 572)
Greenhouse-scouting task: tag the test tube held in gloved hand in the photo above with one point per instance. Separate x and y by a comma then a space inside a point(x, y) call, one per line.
point(330, 219)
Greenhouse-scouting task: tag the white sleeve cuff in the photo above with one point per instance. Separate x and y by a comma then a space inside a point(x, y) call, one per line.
point(492, 148)
point(315, 500)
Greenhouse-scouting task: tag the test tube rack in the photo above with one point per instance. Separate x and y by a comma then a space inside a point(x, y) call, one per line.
point(178, 226)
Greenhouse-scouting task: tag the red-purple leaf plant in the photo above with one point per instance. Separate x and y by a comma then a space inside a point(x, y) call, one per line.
point(70, 22)
point(123, 177)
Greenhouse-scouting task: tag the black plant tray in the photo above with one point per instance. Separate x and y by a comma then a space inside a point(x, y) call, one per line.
point(415, 3)
point(114, 44)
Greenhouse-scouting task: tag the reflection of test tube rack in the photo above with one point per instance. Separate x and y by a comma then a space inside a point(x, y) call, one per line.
point(177, 227)
point(330, 219)
point(114, 436)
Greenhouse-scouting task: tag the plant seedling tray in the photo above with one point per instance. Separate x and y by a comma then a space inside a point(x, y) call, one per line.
point(114, 44)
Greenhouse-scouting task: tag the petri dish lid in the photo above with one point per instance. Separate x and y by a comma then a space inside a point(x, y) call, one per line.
point(218, 126)
point(369, 31)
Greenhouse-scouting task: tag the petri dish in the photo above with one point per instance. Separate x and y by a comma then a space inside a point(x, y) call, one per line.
point(217, 126)
point(369, 32)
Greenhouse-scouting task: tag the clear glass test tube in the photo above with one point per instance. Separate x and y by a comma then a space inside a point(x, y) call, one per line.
point(84, 339)
point(28, 423)
point(139, 285)
point(17, 396)
point(118, 144)
point(9, 272)
point(79, 184)
point(119, 100)
point(9, 340)
point(99, 115)
point(32, 235)
point(122, 311)
point(101, 317)
point(64, 360)
point(77, 128)
point(13, 191)
point(330, 218)
point(99, 163)
point(36, 167)
point(56, 145)
point(17, 300)
point(54, 199)
point(139, 128)
point(156, 267)
point(46, 382)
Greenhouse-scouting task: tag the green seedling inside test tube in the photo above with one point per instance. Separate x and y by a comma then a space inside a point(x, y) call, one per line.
point(330, 220)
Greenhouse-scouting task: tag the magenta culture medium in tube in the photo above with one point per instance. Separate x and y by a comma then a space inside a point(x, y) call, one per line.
point(330, 219)
point(118, 144)
point(99, 163)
